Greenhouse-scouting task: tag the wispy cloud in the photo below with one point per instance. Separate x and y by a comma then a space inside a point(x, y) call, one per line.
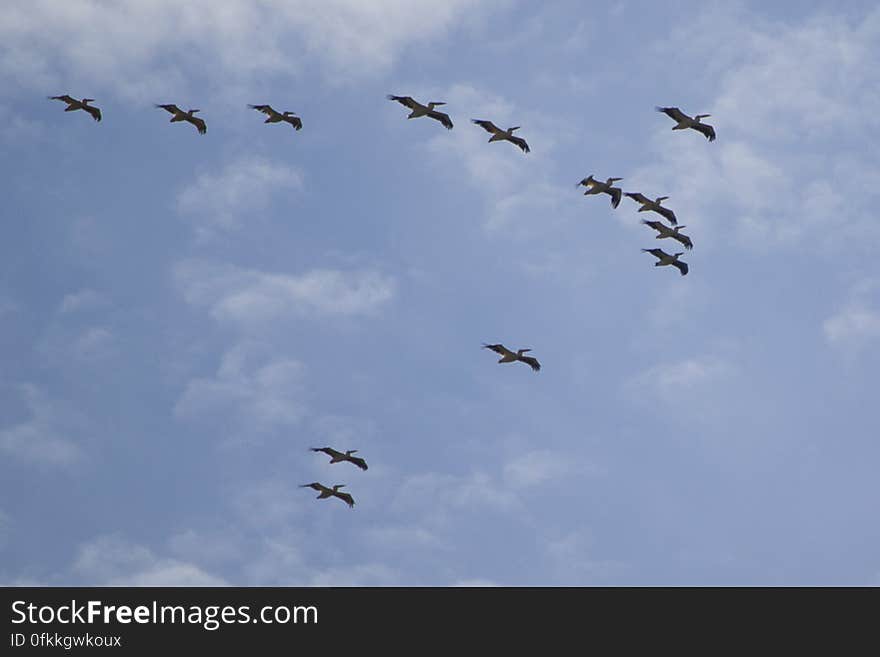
point(857, 323)
point(113, 561)
point(81, 300)
point(42, 439)
point(249, 297)
point(148, 47)
point(218, 201)
point(257, 391)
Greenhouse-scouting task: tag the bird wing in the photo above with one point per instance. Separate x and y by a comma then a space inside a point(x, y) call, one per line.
point(669, 214)
point(682, 267)
point(637, 196)
point(498, 349)
point(673, 113)
point(296, 122)
point(94, 111)
point(443, 118)
point(174, 109)
point(615, 193)
point(199, 124)
point(407, 101)
point(657, 253)
point(358, 461)
point(706, 129)
point(519, 141)
point(265, 109)
point(684, 239)
point(656, 225)
point(329, 451)
point(65, 98)
point(488, 126)
point(345, 497)
point(532, 362)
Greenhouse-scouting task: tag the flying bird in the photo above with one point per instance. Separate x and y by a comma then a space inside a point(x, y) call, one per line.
point(507, 356)
point(278, 117)
point(502, 135)
point(664, 259)
point(336, 457)
point(683, 121)
point(331, 492)
point(665, 231)
point(180, 115)
point(653, 206)
point(74, 104)
point(422, 110)
point(598, 187)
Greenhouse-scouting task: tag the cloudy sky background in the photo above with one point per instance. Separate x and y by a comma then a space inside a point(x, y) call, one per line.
point(182, 316)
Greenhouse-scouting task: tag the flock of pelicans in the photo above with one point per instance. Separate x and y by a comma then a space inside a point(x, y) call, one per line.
point(593, 186)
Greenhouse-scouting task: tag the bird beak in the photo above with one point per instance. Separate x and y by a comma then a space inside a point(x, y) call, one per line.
point(438, 104)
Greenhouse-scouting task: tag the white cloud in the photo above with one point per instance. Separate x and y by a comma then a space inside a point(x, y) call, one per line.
point(112, 561)
point(81, 300)
point(672, 380)
point(249, 297)
point(536, 467)
point(260, 392)
point(42, 438)
point(858, 322)
point(216, 201)
point(145, 48)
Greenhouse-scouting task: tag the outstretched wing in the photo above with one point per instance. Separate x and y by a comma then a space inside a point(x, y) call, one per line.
point(65, 98)
point(358, 461)
point(657, 253)
point(199, 124)
point(637, 196)
point(656, 225)
point(682, 267)
point(498, 349)
point(684, 239)
point(174, 109)
point(345, 497)
point(296, 122)
point(488, 126)
point(669, 214)
point(406, 101)
point(532, 362)
point(519, 141)
point(706, 129)
point(329, 451)
point(265, 109)
point(94, 111)
point(615, 193)
point(673, 113)
point(443, 118)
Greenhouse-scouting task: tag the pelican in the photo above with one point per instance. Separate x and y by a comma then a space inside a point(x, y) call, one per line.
point(421, 110)
point(502, 135)
point(665, 231)
point(330, 492)
point(653, 206)
point(684, 121)
point(278, 117)
point(597, 187)
point(336, 457)
point(507, 356)
point(180, 115)
point(664, 259)
point(74, 104)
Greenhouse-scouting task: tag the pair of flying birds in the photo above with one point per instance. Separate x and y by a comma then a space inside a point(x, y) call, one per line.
point(336, 457)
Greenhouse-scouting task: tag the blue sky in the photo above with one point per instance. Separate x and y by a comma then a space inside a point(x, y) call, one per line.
point(182, 316)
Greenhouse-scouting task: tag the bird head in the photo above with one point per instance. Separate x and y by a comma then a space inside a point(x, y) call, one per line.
point(338, 486)
point(193, 111)
point(613, 180)
point(522, 351)
point(661, 198)
point(675, 255)
point(701, 116)
point(513, 128)
point(350, 452)
point(434, 104)
point(87, 100)
point(678, 228)
point(290, 114)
